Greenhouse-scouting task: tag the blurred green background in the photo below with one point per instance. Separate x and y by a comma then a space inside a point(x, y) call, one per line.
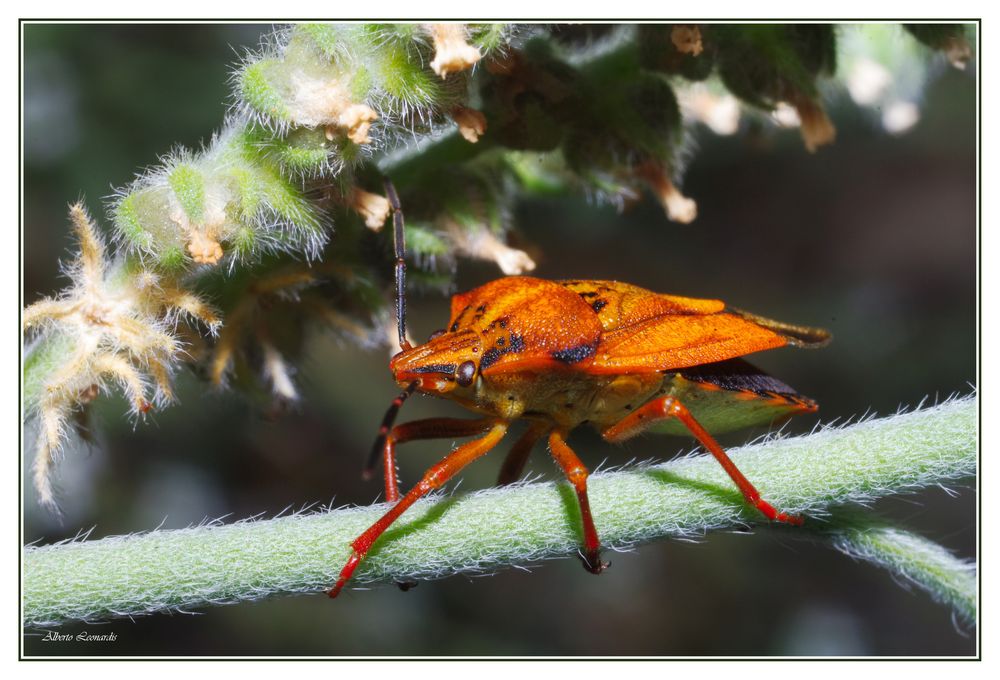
point(874, 238)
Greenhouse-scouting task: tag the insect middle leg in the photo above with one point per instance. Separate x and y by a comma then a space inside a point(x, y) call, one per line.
point(429, 428)
point(434, 478)
point(577, 474)
point(670, 407)
point(513, 464)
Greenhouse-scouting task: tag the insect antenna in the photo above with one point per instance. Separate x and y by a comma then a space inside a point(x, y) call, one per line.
point(383, 432)
point(399, 245)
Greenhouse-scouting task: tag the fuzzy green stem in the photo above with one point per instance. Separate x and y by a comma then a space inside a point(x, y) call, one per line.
point(909, 557)
point(169, 570)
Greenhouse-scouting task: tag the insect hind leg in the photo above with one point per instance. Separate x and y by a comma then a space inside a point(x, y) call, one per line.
point(577, 474)
point(670, 407)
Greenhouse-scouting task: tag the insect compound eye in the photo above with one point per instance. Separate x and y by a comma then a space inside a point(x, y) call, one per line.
point(465, 373)
point(435, 334)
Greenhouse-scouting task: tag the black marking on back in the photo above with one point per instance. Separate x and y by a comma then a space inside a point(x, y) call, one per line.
point(458, 318)
point(502, 322)
point(574, 355)
point(598, 305)
point(737, 375)
point(447, 369)
point(492, 355)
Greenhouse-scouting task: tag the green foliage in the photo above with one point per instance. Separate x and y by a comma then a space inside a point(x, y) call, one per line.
point(937, 36)
point(302, 152)
point(490, 37)
point(764, 64)
point(255, 89)
point(240, 191)
point(188, 186)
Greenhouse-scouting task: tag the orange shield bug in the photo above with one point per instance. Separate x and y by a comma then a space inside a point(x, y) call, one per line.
point(560, 354)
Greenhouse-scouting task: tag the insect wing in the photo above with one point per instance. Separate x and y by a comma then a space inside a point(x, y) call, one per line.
point(671, 342)
point(619, 305)
point(646, 331)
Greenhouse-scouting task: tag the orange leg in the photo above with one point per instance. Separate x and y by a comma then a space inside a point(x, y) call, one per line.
point(434, 478)
point(513, 464)
point(669, 407)
point(430, 428)
point(383, 431)
point(577, 474)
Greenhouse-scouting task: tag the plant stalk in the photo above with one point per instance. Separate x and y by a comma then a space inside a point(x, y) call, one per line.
point(522, 524)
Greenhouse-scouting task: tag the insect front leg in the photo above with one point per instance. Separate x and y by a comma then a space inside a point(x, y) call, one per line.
point(434, 478)
point(378, 447)
point(670, 407)
point(430, 428)
point(577, 474)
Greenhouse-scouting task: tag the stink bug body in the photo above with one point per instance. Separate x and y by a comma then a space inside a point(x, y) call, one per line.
point(561, 354)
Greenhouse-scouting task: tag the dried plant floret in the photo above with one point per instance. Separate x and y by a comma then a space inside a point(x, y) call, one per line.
point(117, 327)
point(687, 39)
point(373, 208)
point(451, 51)
point(471, 123)
point(483, 244)
point(678, 207)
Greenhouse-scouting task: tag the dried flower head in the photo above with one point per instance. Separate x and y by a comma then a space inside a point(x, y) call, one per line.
point(687, 39)
point(483, 244)
point(817, 128)
point(471, 123)
point(451, 51)
point(720, 112)
point(110, 326)
point(373, 208)
point(679, 208)
point(204, 249)
point(255, 326)
point(355, 121)
point(958, 51)
point(324, 99)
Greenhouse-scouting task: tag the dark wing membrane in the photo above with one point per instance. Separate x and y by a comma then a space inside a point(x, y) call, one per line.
point(805, 337)
point(736, 375)
point(730, 395)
